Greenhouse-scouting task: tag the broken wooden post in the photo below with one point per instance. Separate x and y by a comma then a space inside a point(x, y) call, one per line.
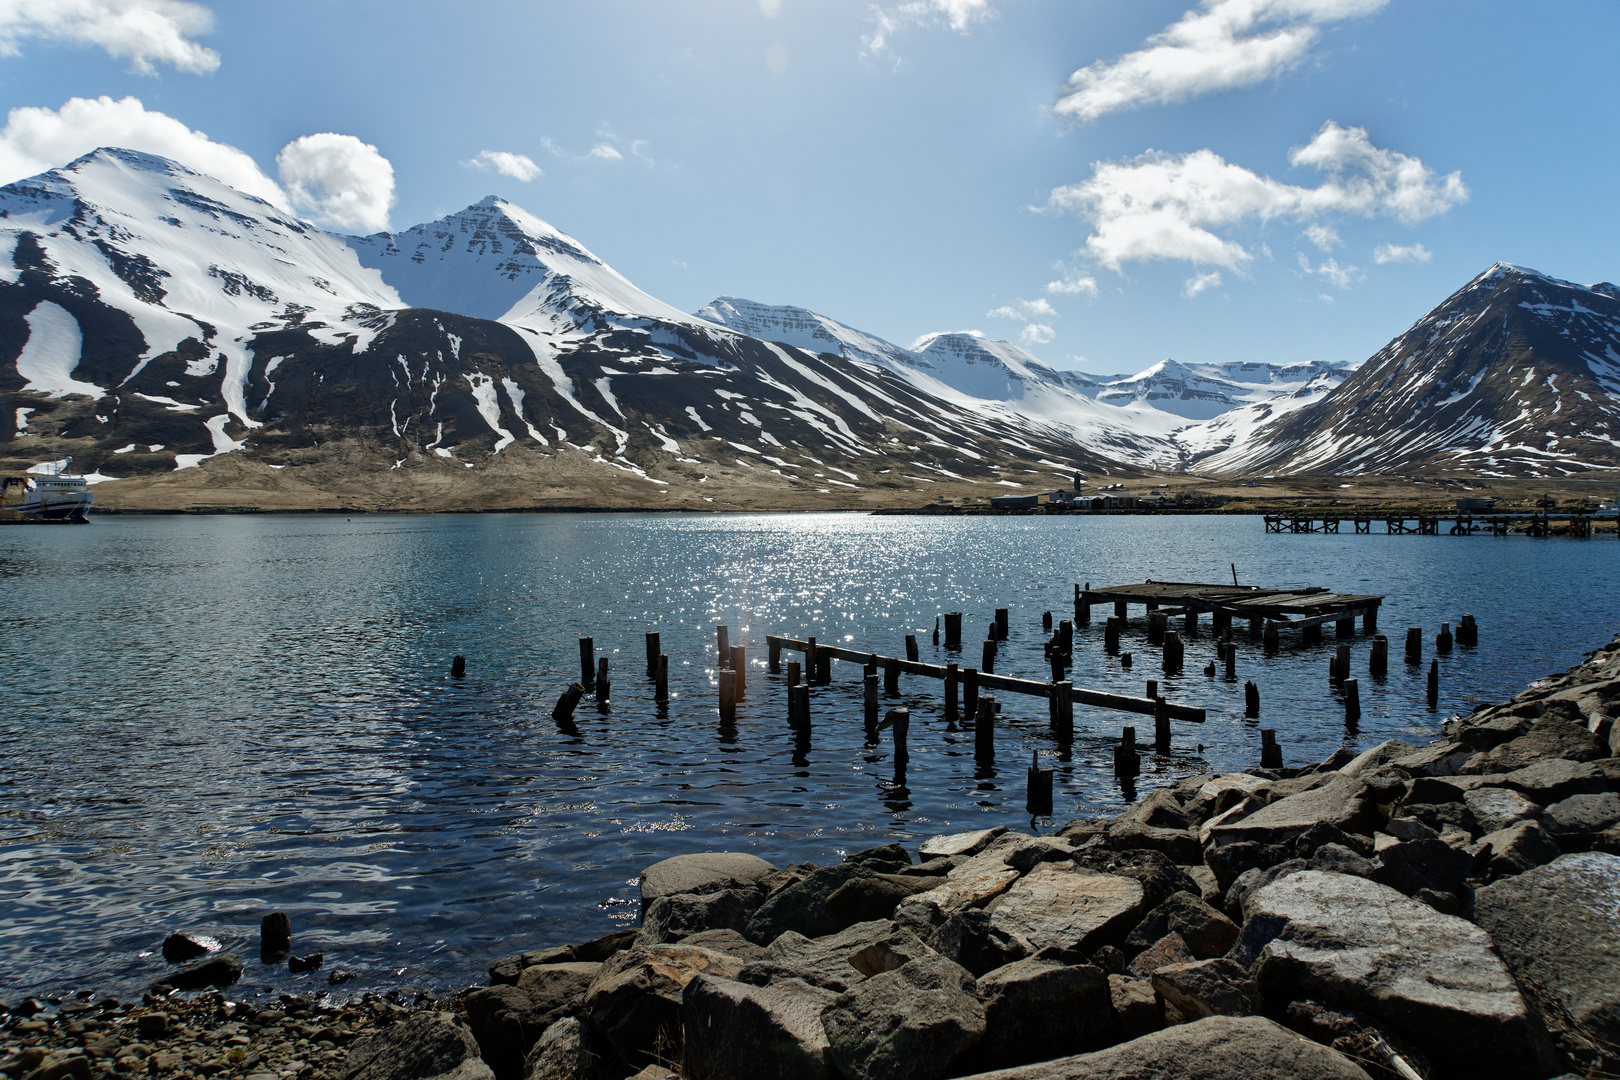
point(1442, 640)
point(1082, 605)
point(953, 629)
point(728, 696)
point(1057, 665)
point(1467, 632)
point(1369, 619)
point(564, 710)
point(1345, 628)
point(823, 667)
point(911, 648)
point(1221, 622)
point(1414, 645)
point(661, 681)
point(1046, 621)
point(1161, 726)
point(1273, 640)
point(984, 730)
point(1378, 659)
point(899, 723)
point(1127, 763)
point(794, 675)
point(891, 676)
point(1157, 621)
point(870, 701)
point(1111, 634)
point(1003, 624)
point(604, 688)
point(801, 695)
point(1063, 693)
point(1229, 651)
point(1434, 684)
point(458, 667)
point(722, 640)
point(936, 630)
point(1270, 752)
point(1352, 701)
point(970, 692)
point(1311, 635)
point(1192, 623)
point(1066, 637)
point(587, 660)
point(951, 679)
point(1125, 660)
point(988, 657)
point(1173, 651)
point(654, 649)
point(774, 655)
point(871, 665)
point(1256, 629)
point(1038, 800)
point(1341, 664)
point(1121, 612)
point(1251, 700)
point(810, 659)
point(739, 664)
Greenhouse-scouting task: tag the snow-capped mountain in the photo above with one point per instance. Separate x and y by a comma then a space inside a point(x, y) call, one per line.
point(1205, 391)
point(807, 330)
point(1516, 373)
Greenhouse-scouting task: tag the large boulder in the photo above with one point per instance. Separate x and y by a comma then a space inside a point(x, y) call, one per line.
point(1217, 987)
point(707, 872)
point(1342, 802)
point(1555, 779)
point(802, 906)
point(219, 971)
point(1556, 927)
point(1434, 978)
point(908, 1024)
point(1415, 865)
point(1206, 932)
point(1039, 1008)
point(735, 1031)
point(568, 1050)
point(507, 1020)
point(1180, 846)
point(678, 915)
point(634, 1002)
point(1498, 807)
point(863, 899)
point(1515, 849)
point(1580, 819)
point(1215, 1048)
point(423, 1046)
point(1550, 737)
point(1158, 876)
point(1067, 908)
point(964, 844)
point(825, 962)
point(969, 938)
point(972, 883)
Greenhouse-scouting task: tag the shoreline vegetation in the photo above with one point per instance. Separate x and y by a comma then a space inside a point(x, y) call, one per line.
point(1443, 910)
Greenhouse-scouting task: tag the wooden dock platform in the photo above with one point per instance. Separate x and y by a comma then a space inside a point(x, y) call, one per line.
point(1262, 608)
point(1574, 523)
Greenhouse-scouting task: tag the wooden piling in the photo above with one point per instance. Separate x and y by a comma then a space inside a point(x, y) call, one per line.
point(823, 667)
point(1345, 628)
point(953, 629)
point(891, 676)
point(1125, 660)
point(1111, 634)
point(1229, 653)
point(564, 710)
point(1157, 621)
point(739, 664)
point(587, 660)
point(970, 692)
point(1121, 612)
point(952, 677)
point(1270, 752)
point(984, 730)
point(1127, 762)
point(794, 674)
point(654, 650)
point(871, 703)
point(1341, 664)
point(1174, 651)
point(1046, 621)
point(988, 657)
point(1414, 645)
point(1442, 640)
point(1191, 621)
point(1082, 606)
point(1066, 638)
point(728, 696)
point(1467, 632)
point(810, 658)
point(1273, 640)
point(661, 681)
point(1038, 801)
point(1434, 684)
point(722, 641)
point(458, 667)
point(936, 630)
point(1063, 716)
point(1352, 701)
point(1251, 700)
point(911, 648)
point(604, 688)
point(1311, 635)
point(1058, 665)
point(800, 696)
point(1161, 726)
point(1256, 629)
point(773, 654)
point(899, 723)
point(1221, 622)
point(1003, 624)
point(1369, 619)
point(870, 667)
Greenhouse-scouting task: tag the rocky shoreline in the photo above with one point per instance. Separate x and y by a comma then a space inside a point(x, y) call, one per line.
point(1451, 910)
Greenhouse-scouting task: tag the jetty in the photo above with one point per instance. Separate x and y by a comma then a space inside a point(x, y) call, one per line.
point(1576, 523)
point(1265, 610)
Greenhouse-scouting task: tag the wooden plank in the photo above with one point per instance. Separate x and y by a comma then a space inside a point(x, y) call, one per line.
point(1316, 620)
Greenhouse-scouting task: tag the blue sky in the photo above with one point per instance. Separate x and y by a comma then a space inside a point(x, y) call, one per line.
point(1272, 180)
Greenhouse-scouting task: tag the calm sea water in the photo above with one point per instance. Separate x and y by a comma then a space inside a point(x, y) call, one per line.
point(203, 719)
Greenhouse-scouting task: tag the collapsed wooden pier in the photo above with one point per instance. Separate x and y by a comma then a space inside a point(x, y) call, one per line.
point(1267, 611)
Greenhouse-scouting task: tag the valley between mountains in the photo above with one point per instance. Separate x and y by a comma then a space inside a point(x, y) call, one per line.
point(191, 346)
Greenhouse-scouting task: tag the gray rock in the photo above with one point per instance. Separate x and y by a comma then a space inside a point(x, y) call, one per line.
point(1498, 807)
point(967, 843)
point(1432, 790)
point(1493, 728)
point(423, 1046)
point(1136, 1004)
point(1424, 864)
point(178, 948)
point(1555, 780)
point(1515, 849)
point(598, 949)
point(1215, 1048)
point(729, 942)
point(1234, 863)
point(1168, 950)
point(1034, 850)
point(679, 915)
point(1215, 987)
point(1555, 927)
point(971, 939)
point(1180, 846)
point(739, 1032)
point(707, 872)
point(1549, 737)
point(1251, 881)
point(219, 970)
point(908, 1024)
point(1377, 757)
point(1206, 932)
point(1439, 815)
point(1069, 909)
point(1158, 876)
point(1437, 759)
point(567, 1051)
point(1320, 834)
point(1341, 860)
point(1577, 820)
point(896, 949)
point(863, 899)
point(506, 970)
point(1341, 802)
point(1410, 828)
point(634, 1001)
point(802, 907)
point(823, 962)
point(885, 858)
point(507, 1020)
point(1434, 978)
point(1161, 810)
point(1037, 1009)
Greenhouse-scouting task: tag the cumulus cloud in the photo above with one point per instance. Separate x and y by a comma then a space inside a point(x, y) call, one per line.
point(36, 139)
point(1073, 282)
point(1325, 237)
point(1163, 206)
point(606, 152)
point(1024, 310)
point(338, 181)
point(1036, 334)
point(1219, 45)
point(1388, 253)
point(1199, 283)
point(517, 166)
point(1330, 270)
point(146, 32)
point(959, 15)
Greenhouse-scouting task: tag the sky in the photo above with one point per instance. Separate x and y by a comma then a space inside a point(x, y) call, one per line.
point(1109, 183)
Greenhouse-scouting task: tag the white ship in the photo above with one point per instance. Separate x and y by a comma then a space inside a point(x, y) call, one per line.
point(56, 497)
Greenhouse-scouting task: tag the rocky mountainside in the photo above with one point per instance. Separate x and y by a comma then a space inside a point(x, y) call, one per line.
point(1514, 374)
point(1205, 391)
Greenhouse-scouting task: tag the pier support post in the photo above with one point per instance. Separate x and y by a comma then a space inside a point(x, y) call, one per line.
point(953, 629)
point(1345, 628)
point(1256, 629)
point(1251, 700)
point(1369, 619)
point(936, 631)
point(1058, 665)
point(1442, 640)
point(458, 667)
point(1352, 701)
point(1111, 635)
point(1173, 651)
point(1311, 635)
point(1161, 726)
point(1434, 684)
point(952, 679)
point(1038, 801)
point(1003, 624)
point(809, 662)
point(1120, 612)
point(1063, 693)
point(773, 656)
point(728, 696)
point(1467, 632)
point(1378, 659)
point(899, 722)
point(1046, 621)
point(1156, 624)
point(1414, 645)
point(988, 657)
point(564, 709)
point(891, 676)
point(722, 640)
point(911, 648)
point(1341, 664)
point(1270, 752)
point(1066, 639)
point(587, 661)
point(1191, 621)
point(1127, 763)
point(739, 664)
point(871, 703)
point(1221, 621)
point(1082, 605)
point(604, 688)
point(970, 692)
point(1273, 640)
point(1229, 649)
point(984, 730)
point(653, 651)
point(794, 674)
point(661, 681)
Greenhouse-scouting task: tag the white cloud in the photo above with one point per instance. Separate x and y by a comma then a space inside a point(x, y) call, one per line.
point(339, 181)
point(606, 152)
point(146, 32)
point(1162, 206)
point(1325, 237)
point(1218, 45)
point(959, 15)
point(1024, 310)
point(1073, 282)
point(1036, 334)
point(1006, 311)
point(1199, 283)
point(1329, 269)
point(1388, 253)
point(36, 139)
point(517, 166)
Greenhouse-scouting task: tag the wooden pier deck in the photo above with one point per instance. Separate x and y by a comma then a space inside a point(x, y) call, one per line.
point(1273, 609)
point(1572, 523)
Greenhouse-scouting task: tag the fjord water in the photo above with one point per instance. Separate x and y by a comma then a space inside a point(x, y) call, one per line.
point(204, 719)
